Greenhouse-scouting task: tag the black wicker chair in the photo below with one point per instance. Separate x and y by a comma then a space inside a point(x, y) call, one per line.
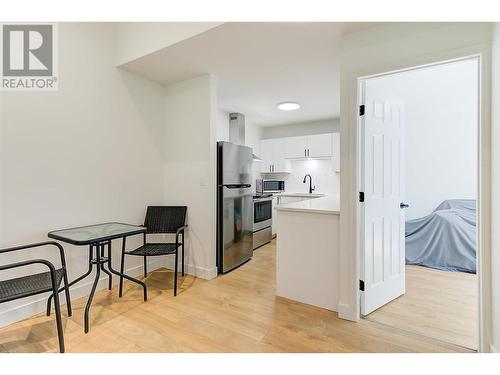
point(43, 282)
point(160, 220)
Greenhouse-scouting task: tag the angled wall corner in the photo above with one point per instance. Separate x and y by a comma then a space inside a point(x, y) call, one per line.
point(137, 39)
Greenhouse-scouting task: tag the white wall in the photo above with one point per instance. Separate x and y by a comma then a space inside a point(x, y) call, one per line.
point(321, 171)
point(189, 146)
point(222, 125)
point(82, 155)
point(495, 245)
point(441, 115)
point(136, 39)
point(391, 47)
point(303, 128)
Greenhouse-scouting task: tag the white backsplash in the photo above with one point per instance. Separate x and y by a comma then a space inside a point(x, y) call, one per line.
point(323, 177)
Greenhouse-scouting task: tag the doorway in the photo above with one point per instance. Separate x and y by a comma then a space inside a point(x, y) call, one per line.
point(418, 206)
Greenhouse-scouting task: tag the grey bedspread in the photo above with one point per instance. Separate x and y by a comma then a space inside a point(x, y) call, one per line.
point(445, 239)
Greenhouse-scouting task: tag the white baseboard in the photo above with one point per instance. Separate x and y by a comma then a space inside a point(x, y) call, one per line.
point(28, 309)
point(346, 312)
point(192, 269)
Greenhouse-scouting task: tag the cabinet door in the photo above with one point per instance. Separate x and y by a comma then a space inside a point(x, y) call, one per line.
point(266, 154)
point(320, 145)
point(280, 164)
point(295, 147)
point(275, 216)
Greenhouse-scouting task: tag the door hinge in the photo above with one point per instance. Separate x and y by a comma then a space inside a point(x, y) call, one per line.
point(362, 110)
point(361, 285)
point(361, 196)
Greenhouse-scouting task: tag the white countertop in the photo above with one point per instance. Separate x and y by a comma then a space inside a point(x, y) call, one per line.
point(304, 195)
point(324, 205)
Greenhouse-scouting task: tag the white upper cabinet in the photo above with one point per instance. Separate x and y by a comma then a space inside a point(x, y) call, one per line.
point(320, 146)
point(273, 156)
point(311, 146)
point(266, 154)
point(277, 152)
point(296, 147)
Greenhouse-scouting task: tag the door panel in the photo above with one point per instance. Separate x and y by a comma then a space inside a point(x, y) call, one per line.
point(266, 153)
point(280, 164)
point(382, 219)
point(295, 147)
point(237, 211)
point(236, 164)
point(320, 145)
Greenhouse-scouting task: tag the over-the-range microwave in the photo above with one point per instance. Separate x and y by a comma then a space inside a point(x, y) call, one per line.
point(269, 186)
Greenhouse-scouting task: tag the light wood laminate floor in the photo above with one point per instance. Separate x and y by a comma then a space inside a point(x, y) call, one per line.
point(438, 304)
point(237, 312)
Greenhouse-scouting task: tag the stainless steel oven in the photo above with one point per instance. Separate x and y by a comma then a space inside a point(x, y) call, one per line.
point(264, 186)
point(262, 219)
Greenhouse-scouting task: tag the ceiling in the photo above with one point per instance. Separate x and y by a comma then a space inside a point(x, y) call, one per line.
point(259, 65)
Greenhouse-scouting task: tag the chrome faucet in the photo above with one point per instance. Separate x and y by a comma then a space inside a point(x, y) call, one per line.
point(311, 188)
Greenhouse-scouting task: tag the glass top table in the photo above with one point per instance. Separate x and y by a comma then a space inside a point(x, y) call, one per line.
point(98, 237)
point(96, 233)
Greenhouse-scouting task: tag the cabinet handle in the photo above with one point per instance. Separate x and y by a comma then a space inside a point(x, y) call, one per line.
point(305, 152)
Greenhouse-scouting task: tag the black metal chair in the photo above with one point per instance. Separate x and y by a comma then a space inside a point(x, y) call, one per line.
point(160, 220)
point(43, 282)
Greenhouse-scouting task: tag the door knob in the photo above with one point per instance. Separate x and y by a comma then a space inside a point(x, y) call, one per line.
point(403, 205)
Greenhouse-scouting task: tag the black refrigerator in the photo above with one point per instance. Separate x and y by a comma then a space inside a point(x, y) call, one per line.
point(234, 206)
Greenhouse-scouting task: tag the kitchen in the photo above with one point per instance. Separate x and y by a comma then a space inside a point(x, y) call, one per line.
point(294, 182)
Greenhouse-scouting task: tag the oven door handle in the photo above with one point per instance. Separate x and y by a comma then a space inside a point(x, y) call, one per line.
point(263, 199)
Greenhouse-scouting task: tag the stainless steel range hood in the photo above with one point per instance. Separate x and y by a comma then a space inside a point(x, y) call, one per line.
point(237, 131)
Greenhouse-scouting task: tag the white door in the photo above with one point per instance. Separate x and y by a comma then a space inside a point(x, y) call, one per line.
point(296, 147)
point(320, 145)
point(382, 181)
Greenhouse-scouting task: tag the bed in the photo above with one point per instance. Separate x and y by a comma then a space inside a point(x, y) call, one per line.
point(445, 239)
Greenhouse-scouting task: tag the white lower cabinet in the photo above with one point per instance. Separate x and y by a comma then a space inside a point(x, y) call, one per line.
point(275, 215)
point(283, 199)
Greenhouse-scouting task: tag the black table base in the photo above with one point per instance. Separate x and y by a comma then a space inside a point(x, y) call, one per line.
point(100, 261)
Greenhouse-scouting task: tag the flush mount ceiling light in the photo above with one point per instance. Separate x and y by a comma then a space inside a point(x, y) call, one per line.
point(288, 106)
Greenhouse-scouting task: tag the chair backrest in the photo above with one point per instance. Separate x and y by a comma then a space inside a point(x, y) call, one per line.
point(165, 219)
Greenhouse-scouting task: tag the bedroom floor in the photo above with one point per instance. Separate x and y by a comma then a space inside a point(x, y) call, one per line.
point(438, 304)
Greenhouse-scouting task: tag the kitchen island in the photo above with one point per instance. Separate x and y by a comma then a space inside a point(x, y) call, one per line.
point(308, 251)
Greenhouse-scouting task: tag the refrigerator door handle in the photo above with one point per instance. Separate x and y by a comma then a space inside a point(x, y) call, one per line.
point(237, 186)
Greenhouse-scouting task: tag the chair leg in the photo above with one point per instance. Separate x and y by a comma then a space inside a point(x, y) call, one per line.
point(122, 267)
point(57, 306)
point(89, 271)
point(66, 292)
point(175, 273)
point(145, 266)
point(183, 255)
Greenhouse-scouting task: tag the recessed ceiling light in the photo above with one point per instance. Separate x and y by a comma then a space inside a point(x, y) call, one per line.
point(288, 106)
